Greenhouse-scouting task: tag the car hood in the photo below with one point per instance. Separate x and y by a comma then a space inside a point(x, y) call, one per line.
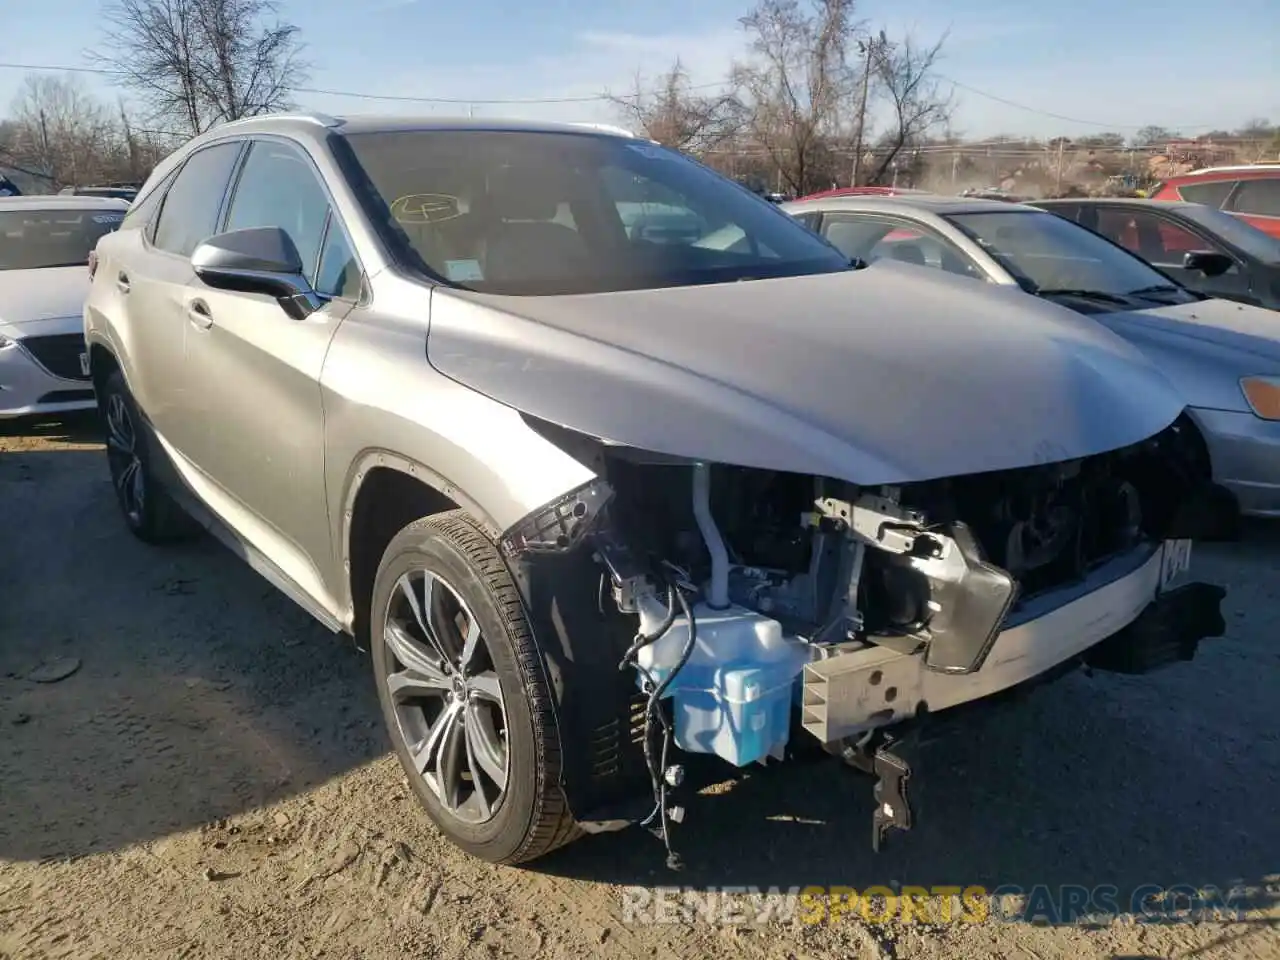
point(31, 295)
point(887, 374)
point(1223, 323)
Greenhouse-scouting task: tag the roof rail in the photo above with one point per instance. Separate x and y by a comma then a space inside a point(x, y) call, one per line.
point(607, 128)
point(308, 116)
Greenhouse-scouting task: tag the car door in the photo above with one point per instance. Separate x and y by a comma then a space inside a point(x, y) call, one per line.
point(1164, 242)
point(151, 276)
point(253, 372)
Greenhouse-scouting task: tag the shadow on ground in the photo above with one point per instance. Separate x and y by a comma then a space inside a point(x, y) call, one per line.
point(201, 693)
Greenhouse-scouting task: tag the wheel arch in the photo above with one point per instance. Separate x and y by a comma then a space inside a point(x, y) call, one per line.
point(385, 492)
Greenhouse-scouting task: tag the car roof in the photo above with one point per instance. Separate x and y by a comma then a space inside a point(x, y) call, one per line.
point(909, 203)
point(62, 202)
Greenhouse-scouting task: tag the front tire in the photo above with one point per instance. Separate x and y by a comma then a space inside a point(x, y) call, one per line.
point(149, 512)
point(463, 694)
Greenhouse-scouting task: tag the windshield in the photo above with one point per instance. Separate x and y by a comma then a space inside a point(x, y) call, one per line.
point(34, 239)
point(1245, 236)
point(1045, 253)
point(522, 214)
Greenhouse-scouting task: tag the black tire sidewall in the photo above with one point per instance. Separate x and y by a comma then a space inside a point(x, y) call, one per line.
point(115, 386)
point(416, 548)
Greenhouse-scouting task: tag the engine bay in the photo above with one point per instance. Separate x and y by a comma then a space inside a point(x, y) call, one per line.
point(1046, 526)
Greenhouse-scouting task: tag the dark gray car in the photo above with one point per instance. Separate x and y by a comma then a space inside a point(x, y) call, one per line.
point(1200, 247)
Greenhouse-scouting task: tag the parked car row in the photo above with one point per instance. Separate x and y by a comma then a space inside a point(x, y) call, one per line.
point(606, 459)
point(1222, 355)
point(45, 245)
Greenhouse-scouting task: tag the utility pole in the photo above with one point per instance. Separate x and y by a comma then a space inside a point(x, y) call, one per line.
point(1061, 145)
point(868, 49)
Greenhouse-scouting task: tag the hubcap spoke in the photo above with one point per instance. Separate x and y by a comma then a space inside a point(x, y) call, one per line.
point(416, 658)
point(486, 686)
point(426, 756)
point(477, 781)
point(421, 607)
point(483, 746)
point(413, 685)
point(469, 644)
point(451, 760)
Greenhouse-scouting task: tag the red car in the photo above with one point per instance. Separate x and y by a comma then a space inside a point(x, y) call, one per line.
point(1251, 193)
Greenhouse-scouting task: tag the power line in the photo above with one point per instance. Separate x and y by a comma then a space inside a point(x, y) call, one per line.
point(1058, 116)
point(600, 98)
point(361, 95)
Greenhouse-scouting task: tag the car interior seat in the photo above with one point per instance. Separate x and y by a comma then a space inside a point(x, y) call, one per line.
point(521, 239)
point(909, 252)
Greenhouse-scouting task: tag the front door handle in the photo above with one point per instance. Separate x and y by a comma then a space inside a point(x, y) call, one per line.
point(122, 282)
point(199, 315)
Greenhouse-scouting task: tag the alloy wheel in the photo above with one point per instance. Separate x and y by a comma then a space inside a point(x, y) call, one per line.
point(122, 456)
point(447, 700)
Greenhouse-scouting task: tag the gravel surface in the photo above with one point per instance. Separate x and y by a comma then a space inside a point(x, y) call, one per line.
point(190, 767)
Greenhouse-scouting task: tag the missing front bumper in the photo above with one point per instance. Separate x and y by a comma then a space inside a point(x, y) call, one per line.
point(1168, 631)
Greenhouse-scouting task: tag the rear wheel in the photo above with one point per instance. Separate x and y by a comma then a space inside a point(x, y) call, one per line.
point(149, 512)
point(462, 692)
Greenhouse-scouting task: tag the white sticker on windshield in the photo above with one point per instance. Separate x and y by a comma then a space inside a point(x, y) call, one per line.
point(108, 218)
point(463, 270)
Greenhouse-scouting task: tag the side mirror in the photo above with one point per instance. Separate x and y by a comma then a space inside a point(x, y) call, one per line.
point(257, 260)
point(1208, 262)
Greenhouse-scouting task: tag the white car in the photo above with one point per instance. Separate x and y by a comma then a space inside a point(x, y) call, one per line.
point(45, 243)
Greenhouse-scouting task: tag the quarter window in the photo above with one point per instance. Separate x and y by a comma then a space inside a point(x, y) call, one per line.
point(278, 188)
point(339, 273)
point(1258, 197)
point(1211, 194)
point(189, 215)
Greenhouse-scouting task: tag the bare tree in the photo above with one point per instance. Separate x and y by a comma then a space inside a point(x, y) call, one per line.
point(196, 63)
point(905, 74)
point(798, 83)
point(60, 129)
point(670, 112)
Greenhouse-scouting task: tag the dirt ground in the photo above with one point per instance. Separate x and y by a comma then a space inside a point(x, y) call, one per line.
point(212, 781)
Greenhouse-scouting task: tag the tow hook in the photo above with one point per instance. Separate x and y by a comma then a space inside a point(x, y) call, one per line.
point(877, 755)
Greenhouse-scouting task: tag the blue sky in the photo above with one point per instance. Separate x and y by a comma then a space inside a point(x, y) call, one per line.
point(1182, 64)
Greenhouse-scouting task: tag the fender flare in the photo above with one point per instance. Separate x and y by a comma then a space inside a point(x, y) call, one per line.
point(373, 458)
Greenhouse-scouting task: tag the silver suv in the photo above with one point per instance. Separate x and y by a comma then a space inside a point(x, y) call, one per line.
point(604, 458)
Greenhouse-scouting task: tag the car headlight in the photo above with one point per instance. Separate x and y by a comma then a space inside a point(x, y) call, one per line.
point(1263, 395)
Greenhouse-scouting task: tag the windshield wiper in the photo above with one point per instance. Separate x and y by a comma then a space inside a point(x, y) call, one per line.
point(1085, 294)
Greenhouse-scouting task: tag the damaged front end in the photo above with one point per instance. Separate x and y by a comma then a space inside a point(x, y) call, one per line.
point(725, 610)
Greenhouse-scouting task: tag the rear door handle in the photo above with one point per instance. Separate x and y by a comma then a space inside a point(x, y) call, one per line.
point(199, 315)
point(122, 282)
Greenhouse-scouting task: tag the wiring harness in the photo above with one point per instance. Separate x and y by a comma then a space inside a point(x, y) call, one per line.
point(661, 775)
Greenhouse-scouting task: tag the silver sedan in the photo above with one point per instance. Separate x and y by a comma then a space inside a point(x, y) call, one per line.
point(1223, 356)
point(45, 243)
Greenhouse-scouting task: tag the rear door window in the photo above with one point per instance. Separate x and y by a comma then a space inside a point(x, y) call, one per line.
point(189, 215)
point(1214, 193)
